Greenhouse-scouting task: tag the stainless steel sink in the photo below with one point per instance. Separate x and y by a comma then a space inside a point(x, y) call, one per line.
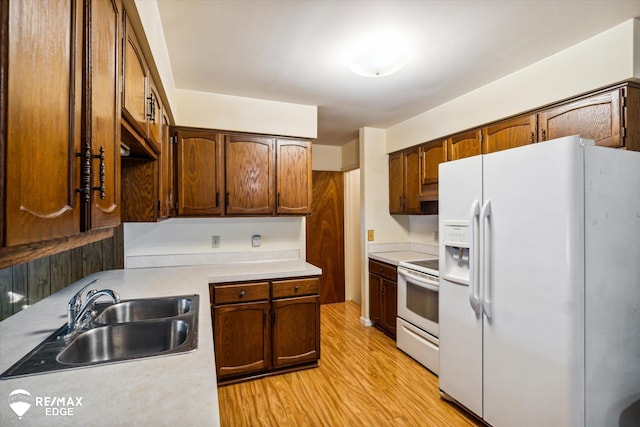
point(121, 332)
point(136, 310)
point(125, 341)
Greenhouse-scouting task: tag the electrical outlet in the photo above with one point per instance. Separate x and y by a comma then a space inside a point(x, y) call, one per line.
point(256, 240)
point(370, 235)
point(215, 241)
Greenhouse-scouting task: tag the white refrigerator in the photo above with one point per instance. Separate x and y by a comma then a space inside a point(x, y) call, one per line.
point(540, 285)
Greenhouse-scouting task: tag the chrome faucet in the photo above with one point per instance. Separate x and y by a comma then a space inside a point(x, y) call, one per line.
point(75, 303)
point(89, 305)
point(78, 312)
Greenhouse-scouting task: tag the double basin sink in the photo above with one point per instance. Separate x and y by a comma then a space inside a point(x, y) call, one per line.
point(123, 331)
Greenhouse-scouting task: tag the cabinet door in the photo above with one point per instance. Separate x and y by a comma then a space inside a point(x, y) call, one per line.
point(165, 191)
point(596, 117)
point(375, 298)
point(242, 338)
point(43, 119)
point(154, 114)
point(199, 173)
point(411, 177)
point(296, 330)
point(396, 183)
point(432, 155)
point(465, 144)
point(293, 160)
point(102, 110)
point(509, 134)
point(389, 305)
point(134, 99)
point(250, 175)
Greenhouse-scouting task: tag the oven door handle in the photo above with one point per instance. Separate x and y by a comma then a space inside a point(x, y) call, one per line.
point(420, 281)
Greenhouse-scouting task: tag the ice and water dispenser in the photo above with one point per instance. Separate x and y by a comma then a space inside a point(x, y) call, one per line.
point(457, 242)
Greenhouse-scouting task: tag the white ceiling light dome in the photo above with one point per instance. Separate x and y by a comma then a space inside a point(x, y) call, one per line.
point(378, 60)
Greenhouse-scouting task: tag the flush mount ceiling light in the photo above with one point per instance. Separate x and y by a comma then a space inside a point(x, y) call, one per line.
point(378, 60)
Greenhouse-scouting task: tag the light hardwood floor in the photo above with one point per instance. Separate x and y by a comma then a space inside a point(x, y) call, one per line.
point(362, 380)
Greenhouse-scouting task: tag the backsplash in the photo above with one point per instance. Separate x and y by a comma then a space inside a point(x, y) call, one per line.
point(188, 241)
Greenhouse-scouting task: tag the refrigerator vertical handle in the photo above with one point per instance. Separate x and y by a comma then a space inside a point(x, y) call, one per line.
point(474, 258)
point(485, 215)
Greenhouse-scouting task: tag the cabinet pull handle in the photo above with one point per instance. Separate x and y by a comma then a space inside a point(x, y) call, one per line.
point(241, 294)
point(152, 109)
point(85, 174)
point(226, 198)
point(544, 134)
point(531, 138)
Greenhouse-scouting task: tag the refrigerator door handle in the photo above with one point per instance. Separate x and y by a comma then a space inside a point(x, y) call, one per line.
point(485, 215)
point(474, 258)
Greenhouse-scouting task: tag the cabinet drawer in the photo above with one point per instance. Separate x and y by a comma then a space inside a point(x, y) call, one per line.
point(224, 294)
point(292, 288)
point(385, 270)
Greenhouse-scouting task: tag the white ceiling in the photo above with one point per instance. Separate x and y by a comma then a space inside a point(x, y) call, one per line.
point(296, 50)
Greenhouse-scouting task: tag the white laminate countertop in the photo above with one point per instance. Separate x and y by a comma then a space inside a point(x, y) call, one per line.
point(164, 391)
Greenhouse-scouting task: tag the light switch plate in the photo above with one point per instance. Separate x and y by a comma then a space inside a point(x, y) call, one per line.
point(370, 235)
point(256, 240)
point(215, 241)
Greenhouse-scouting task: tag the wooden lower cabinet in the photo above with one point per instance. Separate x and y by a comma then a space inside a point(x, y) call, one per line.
point(383, 296)
point(241, 337)
point(296, 330)
point(264, 328)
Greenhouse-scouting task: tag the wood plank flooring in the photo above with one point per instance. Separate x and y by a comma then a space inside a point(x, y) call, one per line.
point(362, 380)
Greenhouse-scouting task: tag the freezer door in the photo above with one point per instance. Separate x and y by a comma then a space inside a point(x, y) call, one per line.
point(460, 184)
point(534, 333)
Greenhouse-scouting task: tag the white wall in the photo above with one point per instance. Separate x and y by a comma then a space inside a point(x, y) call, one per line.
point(374, 202)
point(599, 61)
point(193, 236)
point(326, 158)
point(235, 113)
point(352, 237)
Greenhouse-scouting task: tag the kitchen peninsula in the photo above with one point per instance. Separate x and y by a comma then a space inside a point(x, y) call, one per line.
point(171, 390)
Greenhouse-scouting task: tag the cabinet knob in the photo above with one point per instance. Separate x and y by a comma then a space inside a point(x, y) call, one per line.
point(295, 288)
point(241, 294)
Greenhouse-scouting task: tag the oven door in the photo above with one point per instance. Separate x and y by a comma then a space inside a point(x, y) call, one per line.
point(418, 300)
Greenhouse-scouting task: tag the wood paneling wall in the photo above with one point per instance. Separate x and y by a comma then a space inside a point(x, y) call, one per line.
point(24, 284)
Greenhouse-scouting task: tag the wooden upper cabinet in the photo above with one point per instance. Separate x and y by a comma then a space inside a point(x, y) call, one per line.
point(154, 114)
point(596, 117)
point(412, 180)
point(396, 183)
point(250, 175)
point(509, 133)
point(43, 119)
point(404, 181)
point(102, 88)
point(431, 155)
point(200, 175)
point(135, 91)
point(293, 162)
point(465, 144)
point(166, 178)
